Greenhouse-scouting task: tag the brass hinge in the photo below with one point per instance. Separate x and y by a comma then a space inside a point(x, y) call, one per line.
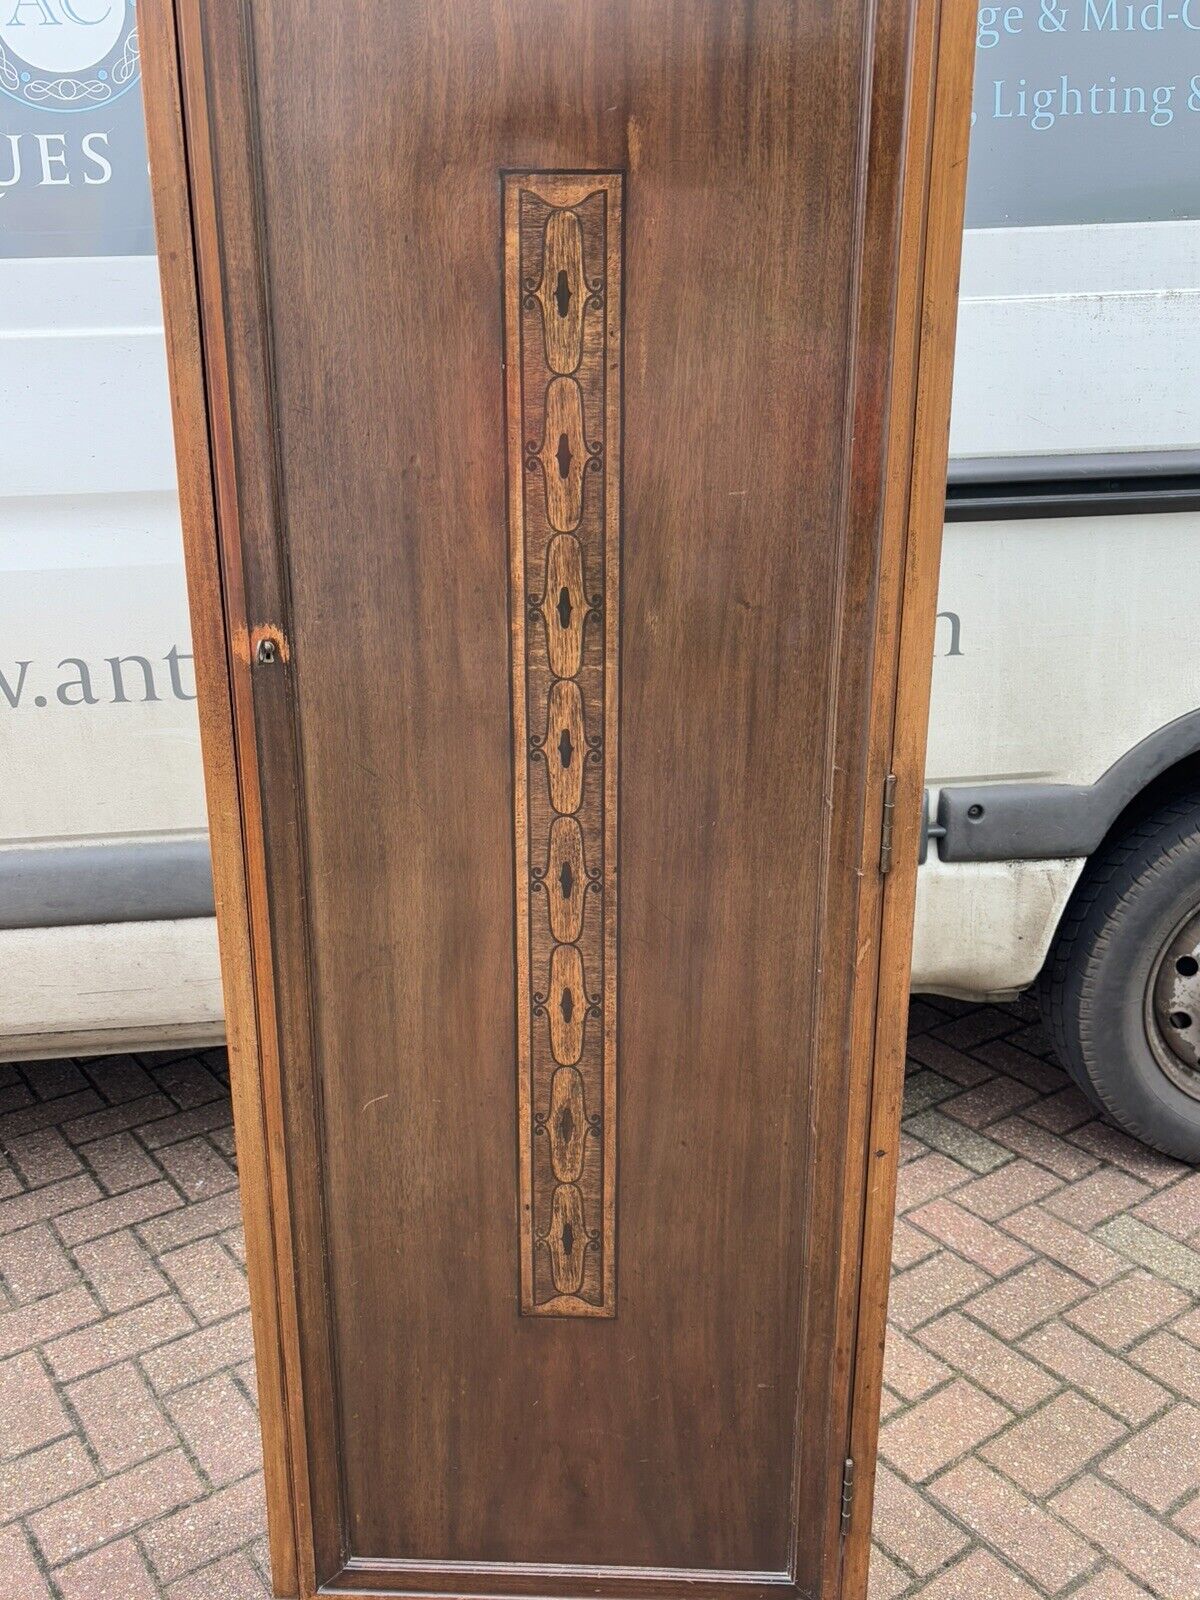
point(885, 836)
point(847, 1494)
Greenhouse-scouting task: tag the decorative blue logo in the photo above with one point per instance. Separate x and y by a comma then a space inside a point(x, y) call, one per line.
point(68, 55)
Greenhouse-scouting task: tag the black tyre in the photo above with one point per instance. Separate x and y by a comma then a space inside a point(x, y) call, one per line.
point(1120, 991)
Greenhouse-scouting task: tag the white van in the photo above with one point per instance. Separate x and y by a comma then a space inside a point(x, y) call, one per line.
point(106, 934)
point(1062, 844)
point(1063, 830)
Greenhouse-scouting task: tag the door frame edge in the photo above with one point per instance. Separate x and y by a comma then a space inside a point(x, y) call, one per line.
point(919, 426)
point(191, 305)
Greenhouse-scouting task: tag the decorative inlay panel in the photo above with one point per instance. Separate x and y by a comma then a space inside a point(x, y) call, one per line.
point(562, 307)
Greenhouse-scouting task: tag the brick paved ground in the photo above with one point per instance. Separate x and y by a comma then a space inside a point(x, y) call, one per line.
point(128, 1436)
point(1041, 1432)
point(1042, 1412)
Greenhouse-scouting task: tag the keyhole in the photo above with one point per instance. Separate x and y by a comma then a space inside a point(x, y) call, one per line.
point(562, 294)
point(565, 747)
point(563, 456)
point(564, 608)
point(568, 1239)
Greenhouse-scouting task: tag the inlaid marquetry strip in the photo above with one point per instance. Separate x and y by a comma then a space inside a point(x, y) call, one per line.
point(562, 310)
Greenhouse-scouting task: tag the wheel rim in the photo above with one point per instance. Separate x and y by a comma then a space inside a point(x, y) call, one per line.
point(1173, 1006)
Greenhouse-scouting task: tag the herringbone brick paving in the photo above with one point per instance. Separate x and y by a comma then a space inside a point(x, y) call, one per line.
point(1041, 1431)
point(129, 1450)
point(1041, 1409)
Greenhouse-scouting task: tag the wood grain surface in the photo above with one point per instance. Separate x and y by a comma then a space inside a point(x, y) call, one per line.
point(347, 181)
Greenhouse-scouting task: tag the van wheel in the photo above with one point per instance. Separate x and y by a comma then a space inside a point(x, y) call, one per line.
point(1120, 991)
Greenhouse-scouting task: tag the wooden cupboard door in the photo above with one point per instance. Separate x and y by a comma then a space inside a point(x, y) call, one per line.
point(551, 353)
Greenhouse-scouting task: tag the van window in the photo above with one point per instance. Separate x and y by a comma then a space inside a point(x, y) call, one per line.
point(1085, 111)
point(73, 175)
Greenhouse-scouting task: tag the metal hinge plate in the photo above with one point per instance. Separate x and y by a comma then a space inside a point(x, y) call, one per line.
point(847, 1494)
point(885, 836)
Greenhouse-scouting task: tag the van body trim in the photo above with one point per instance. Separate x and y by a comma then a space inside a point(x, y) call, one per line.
point(1081, 466)
point(61, 886)
point(1110, 483)
point(1055, 821)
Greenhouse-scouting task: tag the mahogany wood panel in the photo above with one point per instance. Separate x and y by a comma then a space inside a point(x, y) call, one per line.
point(353, 210)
